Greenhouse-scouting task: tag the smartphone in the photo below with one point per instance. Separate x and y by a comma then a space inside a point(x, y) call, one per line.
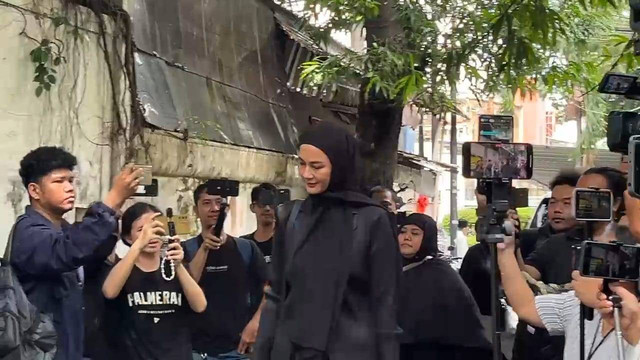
point(487, 160)
point(147, 174)
point(147, 190)
point(614, 261)
point(284, 195)
point(223, 187)
point(496, 128)
point(592, 205)
point(634, 166)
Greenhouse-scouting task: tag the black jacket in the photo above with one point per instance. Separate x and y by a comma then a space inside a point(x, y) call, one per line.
point(365, 327)
point(48, 262)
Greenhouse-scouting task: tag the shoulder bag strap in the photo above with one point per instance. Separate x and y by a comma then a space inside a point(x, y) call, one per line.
point(7, 249)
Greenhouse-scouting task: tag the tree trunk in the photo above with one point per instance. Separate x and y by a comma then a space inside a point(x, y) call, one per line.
point(379, 125)
point(380, 120)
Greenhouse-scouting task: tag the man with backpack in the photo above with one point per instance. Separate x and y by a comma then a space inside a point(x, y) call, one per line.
point(50, 255)
point(232, 272)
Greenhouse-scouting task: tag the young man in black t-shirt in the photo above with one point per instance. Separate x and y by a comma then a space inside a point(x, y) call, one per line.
point(232, 272)
point(265, 218)
point(552, 261)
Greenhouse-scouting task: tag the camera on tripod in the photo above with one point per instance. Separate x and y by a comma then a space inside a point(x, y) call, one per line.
point(495, 160)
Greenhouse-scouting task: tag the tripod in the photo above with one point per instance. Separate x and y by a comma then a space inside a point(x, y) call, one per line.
point(493, 233)
point(587, 313)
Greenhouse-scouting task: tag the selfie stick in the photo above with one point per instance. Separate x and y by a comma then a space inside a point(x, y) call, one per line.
point(170, 224)
point(217, 229)
point(617, 305)
point(586, 313)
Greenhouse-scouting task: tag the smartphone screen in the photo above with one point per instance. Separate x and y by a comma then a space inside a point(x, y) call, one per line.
point(610, 261)
point(482, 160)
point(496, 128)
point(592, 205)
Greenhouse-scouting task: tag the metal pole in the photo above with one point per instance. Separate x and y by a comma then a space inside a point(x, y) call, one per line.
point(497, 346)
point(454, 173)
point(421, 135)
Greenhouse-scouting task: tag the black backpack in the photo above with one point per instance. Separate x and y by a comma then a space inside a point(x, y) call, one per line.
point(25, 333)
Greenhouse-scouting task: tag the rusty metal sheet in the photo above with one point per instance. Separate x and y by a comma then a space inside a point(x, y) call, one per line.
point(213, 69)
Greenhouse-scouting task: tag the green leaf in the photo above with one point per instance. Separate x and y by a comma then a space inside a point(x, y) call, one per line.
point(51, 79)
point(46, 86)
point(44, 57)
point(39, 90)
point(36, 55)
point(45, 42)
point(57, 61)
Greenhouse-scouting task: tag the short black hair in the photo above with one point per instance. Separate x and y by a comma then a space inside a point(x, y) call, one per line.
point(202, 188)
point(616, 179)
point(565, 177)
point(42, 161)
point(255, 192)
point(462, 223)
point(381, 189)
point(133, 213)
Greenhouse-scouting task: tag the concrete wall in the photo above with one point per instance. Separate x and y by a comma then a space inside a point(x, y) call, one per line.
point(76, 113)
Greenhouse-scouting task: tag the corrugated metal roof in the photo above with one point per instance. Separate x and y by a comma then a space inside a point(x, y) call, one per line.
point(548, 161)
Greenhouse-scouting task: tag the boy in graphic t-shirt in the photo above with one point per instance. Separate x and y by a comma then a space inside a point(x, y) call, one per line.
point(152, 303)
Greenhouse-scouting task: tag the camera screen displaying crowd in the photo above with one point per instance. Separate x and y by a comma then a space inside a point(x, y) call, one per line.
point(492, 160)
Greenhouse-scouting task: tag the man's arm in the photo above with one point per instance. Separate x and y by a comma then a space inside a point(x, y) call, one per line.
point(40, 250)
point(250, 332)
point(196, 265)
point(518, 293)
point(260, 271)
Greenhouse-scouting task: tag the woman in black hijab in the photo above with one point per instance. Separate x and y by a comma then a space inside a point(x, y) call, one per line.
point(437, 313)
point(335, 263)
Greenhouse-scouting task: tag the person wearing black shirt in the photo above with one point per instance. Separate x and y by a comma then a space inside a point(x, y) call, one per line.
point(232, 272)
point(266, 220)
point(153, 306)
point(552, 261)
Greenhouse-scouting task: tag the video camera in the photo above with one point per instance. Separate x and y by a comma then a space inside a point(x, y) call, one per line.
point(623, 127)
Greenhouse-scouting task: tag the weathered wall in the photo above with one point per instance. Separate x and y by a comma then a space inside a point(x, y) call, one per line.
point(76, 113)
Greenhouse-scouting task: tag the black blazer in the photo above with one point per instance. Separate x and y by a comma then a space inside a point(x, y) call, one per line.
point(366, 326)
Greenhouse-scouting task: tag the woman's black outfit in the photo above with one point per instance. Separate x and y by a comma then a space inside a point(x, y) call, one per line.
point(437, 313)
point(336, 266)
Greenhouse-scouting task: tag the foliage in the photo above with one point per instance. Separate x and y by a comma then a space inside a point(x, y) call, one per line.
point(47, 55)
point(495, 45)
point(469, 214)
point(593, 46)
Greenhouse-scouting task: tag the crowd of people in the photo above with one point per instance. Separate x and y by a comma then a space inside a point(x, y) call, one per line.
point(335, 276)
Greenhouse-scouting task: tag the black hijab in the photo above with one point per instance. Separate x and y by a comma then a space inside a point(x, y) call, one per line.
point(436, 308)
point(319, 248)
point(429, 246)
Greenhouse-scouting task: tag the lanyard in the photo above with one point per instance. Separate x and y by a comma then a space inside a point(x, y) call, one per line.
point(592, 351)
